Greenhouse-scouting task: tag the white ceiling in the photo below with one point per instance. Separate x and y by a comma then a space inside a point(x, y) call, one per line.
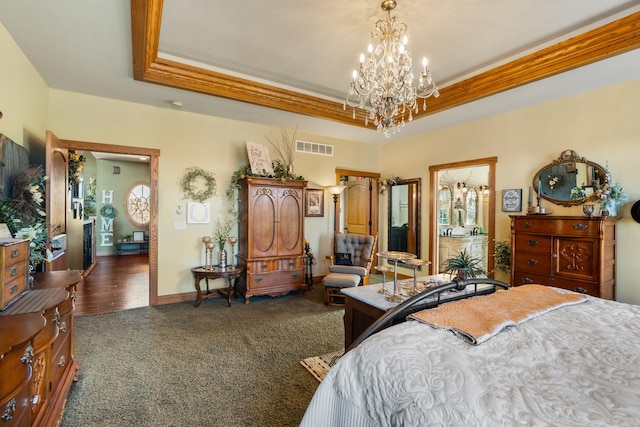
point(311, 47)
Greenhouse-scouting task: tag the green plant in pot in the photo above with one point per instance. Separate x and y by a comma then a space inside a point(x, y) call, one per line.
point(463, 266)
point(502, 256)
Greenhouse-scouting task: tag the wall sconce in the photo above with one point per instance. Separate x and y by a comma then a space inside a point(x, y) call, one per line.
point(335, 190)
point(462, 187)
point(484, 189)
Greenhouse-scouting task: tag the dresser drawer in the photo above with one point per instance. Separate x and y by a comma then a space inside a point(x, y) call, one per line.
point(533, 243)
point(16, 408)
point(12, 291)
point(568, 227)
point(534, 262)
point(274, 279)
point(14, 254)
point(60, 360)
point(525, 278)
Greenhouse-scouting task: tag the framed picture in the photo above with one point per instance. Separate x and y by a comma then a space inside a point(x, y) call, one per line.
point(198, 213)
point(314, 203)
point(138, 236)
point(512, 200)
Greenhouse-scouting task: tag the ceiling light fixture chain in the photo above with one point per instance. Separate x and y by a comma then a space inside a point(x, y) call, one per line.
point(383, 86)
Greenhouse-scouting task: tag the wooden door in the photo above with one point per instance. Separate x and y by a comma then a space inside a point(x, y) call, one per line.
point(358, 206)
point(290, 225)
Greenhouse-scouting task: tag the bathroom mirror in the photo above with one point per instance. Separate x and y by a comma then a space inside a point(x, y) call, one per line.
point(404, 216)
point(555, 180)
point(471, 203)
point(444, 205)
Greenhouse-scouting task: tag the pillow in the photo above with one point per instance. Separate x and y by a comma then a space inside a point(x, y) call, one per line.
point(343, 259)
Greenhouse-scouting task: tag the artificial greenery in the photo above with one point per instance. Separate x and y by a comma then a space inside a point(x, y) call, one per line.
point(280, 171)
point(198, 184)
point(463, 266)
point(108, 211)
point(75, 167)
point(222, 232)
point(285, 147)
point(90, 198)
point(502, 256)
point(23, 213)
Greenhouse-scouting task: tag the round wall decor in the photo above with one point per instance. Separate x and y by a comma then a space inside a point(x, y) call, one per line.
point(108, 211)
point(198, 184)
point(635, 211)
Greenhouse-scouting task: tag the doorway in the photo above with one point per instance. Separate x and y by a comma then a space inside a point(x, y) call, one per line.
point(436, 214)
point(363, 202)
point(55, 145)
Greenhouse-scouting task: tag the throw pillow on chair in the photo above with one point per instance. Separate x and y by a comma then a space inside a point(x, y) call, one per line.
point(343, 259)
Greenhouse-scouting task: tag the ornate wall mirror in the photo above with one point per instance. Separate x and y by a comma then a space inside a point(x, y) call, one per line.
point(555, 181)
point(404, 216)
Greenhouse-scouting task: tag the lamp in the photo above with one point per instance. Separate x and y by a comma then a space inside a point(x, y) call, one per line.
point(383, 84)
point(335, 190)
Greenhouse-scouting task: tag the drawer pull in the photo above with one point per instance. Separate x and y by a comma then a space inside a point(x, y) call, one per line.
point(532, 242)
point(27, 357)
point(35, 399)
point(291, 264)
point(9, 410)
point(580, 226)
point(527, 280)
point(15, 253)
point(258, 279)
point(14, 271)
point(294, 276)
point(532, 261)
point(527, 224)
point(580, 290)
point(62, 361)
point(264, 266)
point(14, 289)
point(56, 317)
point(63, 326)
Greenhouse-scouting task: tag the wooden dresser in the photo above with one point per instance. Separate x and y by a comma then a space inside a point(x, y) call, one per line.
point(576, 253)
point(271, 236)
point(49, 354)
point(14, 268)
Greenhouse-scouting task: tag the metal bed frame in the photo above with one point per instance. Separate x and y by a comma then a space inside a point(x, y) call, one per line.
point(417, 302)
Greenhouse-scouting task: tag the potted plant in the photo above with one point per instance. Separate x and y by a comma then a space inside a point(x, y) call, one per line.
point(463, 266)
point(502, 256)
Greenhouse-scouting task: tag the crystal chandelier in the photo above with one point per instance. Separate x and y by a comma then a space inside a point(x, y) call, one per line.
point(383, 86)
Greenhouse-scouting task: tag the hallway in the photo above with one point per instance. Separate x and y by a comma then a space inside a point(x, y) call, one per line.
point(116, 283)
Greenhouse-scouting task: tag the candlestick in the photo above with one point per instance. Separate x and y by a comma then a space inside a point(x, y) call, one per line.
point(539, 188)
point(530, 196)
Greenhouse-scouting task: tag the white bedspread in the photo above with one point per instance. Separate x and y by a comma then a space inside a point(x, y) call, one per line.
point(575, 366)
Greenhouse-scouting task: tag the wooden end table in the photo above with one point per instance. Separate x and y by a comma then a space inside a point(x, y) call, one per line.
point(215, 272)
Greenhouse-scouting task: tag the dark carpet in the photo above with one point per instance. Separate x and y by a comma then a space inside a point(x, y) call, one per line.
point(177, 365)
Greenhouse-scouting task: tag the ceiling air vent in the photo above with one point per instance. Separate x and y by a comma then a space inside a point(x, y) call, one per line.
point(314, 148)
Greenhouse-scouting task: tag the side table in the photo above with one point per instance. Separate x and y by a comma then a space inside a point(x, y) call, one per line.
point(215, 272)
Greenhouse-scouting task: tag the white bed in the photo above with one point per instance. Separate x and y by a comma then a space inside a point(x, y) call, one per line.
point(578, 365)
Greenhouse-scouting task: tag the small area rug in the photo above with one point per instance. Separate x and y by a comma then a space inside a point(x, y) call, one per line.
point(319, 366)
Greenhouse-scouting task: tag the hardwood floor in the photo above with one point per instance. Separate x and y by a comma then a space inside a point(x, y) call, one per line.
point(116, 283)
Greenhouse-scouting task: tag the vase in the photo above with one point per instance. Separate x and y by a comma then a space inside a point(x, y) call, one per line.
point(609, 209)
point(222, 258)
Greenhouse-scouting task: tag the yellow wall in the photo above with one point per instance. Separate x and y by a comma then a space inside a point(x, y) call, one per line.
point(601, 126)
point(24, 99)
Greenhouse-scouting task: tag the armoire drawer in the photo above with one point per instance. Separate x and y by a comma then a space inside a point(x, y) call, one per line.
point(262, 266)
point(534, 262)
point(277, 278)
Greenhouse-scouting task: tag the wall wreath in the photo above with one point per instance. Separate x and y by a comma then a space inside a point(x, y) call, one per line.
point(198, 184)
point(108, 211)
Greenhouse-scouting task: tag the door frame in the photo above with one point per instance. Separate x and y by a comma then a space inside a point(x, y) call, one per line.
point(154, 160)
point(433, 209)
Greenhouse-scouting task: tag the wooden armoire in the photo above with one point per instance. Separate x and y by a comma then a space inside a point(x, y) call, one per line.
point(271, 236)
point(570, 252)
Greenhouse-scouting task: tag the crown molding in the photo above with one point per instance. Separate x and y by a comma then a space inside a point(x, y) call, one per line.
point(617, 37)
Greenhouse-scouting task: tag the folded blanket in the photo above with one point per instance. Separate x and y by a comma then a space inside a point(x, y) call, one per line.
point(477, 319)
